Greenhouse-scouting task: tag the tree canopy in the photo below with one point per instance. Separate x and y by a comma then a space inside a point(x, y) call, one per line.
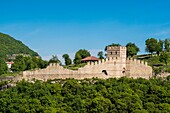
point(80, 54)
point(3, 67)
point(27, 63)
point(167, 44)
point(10, 46)
point(132, 49)
point(67, 59)
point(113, 44)
point(123, 95)
point(54, 59)
point(151, 45)
point(100, 55)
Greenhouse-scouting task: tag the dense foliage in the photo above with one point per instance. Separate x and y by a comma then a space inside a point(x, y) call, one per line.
point(100, 55)
point(124, 95)
point(113, 44)
point(157, 46)
point(67, 59)
point(159, 58)
point(9, 45)
point(27, 63)
point(54, 59)
point(3, 67)
point(132, 49)
point(80, 54)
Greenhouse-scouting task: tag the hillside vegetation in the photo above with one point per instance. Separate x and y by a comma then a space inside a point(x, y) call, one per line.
point(9, 45)
point(124, 95)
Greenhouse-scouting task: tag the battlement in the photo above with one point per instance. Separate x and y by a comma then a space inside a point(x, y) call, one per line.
point(115, 47)
point(106, 60)
point(116, 51)
point(135, 61)
point(115, 65)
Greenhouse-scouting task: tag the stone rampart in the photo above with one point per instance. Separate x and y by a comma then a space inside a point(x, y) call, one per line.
point(105, 68)
point(137, 68)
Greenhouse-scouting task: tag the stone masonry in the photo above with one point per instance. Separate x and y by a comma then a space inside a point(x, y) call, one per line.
point(115, 65)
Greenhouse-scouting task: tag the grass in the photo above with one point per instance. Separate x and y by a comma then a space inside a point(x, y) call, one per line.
point(155, 62)
point(10, 74)
point(75, 67)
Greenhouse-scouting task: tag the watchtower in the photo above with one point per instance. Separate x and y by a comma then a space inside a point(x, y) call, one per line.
point(116, 51)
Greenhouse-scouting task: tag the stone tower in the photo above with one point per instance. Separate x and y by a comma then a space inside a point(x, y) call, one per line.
point(116, 51)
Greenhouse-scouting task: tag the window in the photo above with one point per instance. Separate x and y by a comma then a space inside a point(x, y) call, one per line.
point(105, 72)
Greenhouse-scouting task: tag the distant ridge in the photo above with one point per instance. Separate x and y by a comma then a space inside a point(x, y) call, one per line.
point(9, 46)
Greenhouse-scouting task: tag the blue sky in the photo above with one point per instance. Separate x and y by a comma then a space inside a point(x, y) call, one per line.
point(55, 27)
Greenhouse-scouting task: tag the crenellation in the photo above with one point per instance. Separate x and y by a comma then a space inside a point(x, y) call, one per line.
point(95, 63)
point(92, 64)
point(138, 61)
point(115, 65)
point(142, 62)
point(103, 60)
point(99, 62)
point(107, 59)
point(135, 61)
point(88, 63)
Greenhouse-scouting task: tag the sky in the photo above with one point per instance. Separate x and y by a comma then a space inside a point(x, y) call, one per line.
point(56, 27)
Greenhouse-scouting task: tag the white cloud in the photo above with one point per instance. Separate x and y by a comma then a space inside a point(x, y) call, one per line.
point(162, 33)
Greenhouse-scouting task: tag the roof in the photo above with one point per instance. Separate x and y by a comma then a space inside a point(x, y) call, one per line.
point(90, 58)
point(9, 62)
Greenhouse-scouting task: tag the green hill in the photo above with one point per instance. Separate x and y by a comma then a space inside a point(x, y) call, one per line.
point(9, 46)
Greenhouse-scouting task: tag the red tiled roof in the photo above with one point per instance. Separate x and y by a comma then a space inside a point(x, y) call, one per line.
point(90, 58)
point(10, 62)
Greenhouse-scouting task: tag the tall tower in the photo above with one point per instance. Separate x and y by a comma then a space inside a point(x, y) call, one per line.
point(116, 51)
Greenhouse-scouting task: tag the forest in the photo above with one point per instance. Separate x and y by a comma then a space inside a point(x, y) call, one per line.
point(10, 46)
point(158, 59)
point(123, 95)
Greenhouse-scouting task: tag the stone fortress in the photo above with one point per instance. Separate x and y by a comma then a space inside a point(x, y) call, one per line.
point(116, 65)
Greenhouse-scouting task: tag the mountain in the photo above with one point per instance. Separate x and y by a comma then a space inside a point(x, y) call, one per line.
point(9, 46)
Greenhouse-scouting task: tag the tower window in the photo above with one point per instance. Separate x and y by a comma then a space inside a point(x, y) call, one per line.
point(116, 52)
point(111, 53)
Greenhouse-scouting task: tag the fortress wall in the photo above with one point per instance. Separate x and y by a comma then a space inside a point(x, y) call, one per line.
point(105, 68)
point(137, 68)
point(45, 77)
point(113, 67)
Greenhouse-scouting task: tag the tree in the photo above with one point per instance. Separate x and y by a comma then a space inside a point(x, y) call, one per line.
point(3, 67)
point(41, 63)
point(164, 57)
point(22, 63)
point(54, 59)
point(67, 59)
point(132, 49)
point(77, 59)
point(19, 64)
point(82, 53)
point(167, 44)
point(151, 45)
point(100, 55)
point(113, 44)
point(159, 46)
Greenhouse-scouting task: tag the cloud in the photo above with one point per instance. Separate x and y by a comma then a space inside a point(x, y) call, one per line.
point(165, 32)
